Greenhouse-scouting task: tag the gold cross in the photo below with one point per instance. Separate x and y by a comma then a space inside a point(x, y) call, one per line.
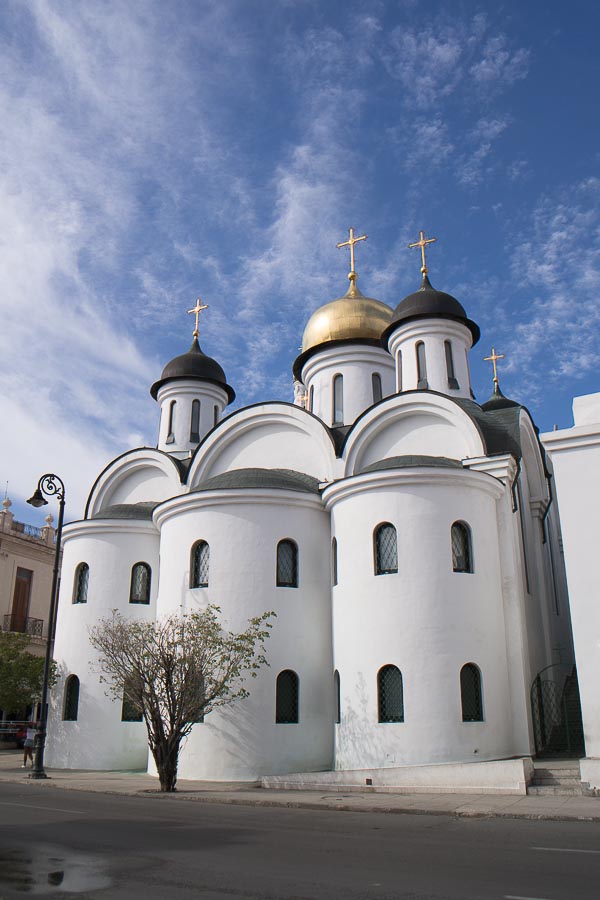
point(422, 242)
point(350, 243)
point(493, 359)
point(197, 310)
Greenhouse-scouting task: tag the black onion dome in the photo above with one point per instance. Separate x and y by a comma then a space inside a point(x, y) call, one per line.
point(429, 303)
point(498, 401)
point(194, 364)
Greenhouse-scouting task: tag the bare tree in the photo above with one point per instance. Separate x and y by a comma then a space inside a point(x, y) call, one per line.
point(175, 671)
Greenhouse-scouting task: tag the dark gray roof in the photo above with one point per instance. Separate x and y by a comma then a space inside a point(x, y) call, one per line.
point(128, 511)
point(498, 401)
point(284, 479)
point(194, 364)
point(429, 303)
point(404, 462)
point(499, 427)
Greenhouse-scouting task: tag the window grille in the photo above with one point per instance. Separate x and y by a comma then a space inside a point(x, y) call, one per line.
point(170, 432)
point(452, 382)
point(286, 702)
point(471, 697)
point(80, 585)
point(390, 695)
point(200, 565)
point(338, 699)
point(195, 423)
point(287, 564)
point(71, 705)
point(338, 400)
point(130, 711)
point(421, 366)
point(140, 583)
point(386, 550)
point(377, 389)
point(461, 548)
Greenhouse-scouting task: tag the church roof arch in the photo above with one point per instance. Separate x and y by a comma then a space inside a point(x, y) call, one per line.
point(138, 477)
point(418, 423)
point(273, 435)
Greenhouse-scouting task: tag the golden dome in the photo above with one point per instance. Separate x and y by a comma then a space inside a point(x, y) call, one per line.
point(351, 316)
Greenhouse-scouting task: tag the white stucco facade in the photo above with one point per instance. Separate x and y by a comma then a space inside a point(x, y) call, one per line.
point(414, 645)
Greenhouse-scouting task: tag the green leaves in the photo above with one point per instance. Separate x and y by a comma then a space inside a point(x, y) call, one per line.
point(21, 674)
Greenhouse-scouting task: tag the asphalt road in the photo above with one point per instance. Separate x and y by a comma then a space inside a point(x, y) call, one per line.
point(71, 844)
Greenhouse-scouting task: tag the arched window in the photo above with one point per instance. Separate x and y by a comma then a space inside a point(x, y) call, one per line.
point(471, 697)
point(338, 400)
point(130, 711)
point(199, 564)
point(390, 695)
point(71, 704)
point(311, 398)
point(399, 371)
point(195, 422)
point(287, 564)
point(386, 549)
point(377, 389)
point(338, 699)
point(170, 432)
point(334, 562)
point(286, 698)
point(462, 556)
point(80, 583)
point(421, 366)
point(452, 382)
point(139, 591)
point(216, 416)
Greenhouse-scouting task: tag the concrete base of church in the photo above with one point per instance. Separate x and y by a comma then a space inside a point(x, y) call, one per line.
point(590, 775)
point(501, 776)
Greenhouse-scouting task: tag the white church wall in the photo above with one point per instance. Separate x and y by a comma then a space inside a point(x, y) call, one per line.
point(243, 529)
point(175, 424)
point(98, 739)
point(142, 475)
point(575, 454)
point(433, 333)
point(269, 436)
point(356, 363)
point(427, 620)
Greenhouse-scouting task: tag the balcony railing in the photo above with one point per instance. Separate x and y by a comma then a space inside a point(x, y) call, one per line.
point(23, 625)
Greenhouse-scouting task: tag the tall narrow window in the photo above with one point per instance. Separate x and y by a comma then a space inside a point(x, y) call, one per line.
point(421, 366)
point(287, 698)
point(399, 371)
point(334, 562)
point(452, 382)
point(216, 416)
point(199, 564)
point(386, 549)
point(311, 398)
point(390, 695)
point(18, 619)
point(337, 697)
point(170, 432)
point(470, 693)
point(338, 400)
point(130, 711)
point(80, 583)
point(462, 557)
point(139, 591)
point(71, 703)
point(287, 564)
point(195, 422)
point(377, 390)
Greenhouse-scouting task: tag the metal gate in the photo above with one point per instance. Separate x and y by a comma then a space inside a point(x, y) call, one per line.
point(557, 723)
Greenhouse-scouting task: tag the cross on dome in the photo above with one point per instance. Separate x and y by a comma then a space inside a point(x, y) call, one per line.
point(197, 310)
point(422, 243)
point(493, 358)
point(350, 243)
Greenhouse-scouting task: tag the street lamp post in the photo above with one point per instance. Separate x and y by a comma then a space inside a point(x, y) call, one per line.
point(52, 486)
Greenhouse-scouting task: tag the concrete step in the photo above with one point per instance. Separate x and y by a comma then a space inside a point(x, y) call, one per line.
point(547, 790)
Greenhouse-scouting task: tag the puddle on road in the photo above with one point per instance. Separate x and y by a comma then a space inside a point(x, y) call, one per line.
point(51, 870)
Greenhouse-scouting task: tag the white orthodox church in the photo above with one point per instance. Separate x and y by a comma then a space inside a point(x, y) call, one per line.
point(406, 536)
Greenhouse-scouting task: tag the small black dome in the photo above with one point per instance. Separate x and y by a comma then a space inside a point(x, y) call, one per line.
point(194, 364)
point(498, 401)
point(429, 303)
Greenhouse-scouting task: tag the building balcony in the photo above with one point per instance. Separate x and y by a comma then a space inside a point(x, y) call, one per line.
point(23, 625)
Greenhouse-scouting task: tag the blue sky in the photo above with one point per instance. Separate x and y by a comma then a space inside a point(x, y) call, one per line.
point(152, 152)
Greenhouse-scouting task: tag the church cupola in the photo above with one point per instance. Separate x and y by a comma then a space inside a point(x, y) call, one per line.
point(342, 366)
point(497, 400)
point(429, 337)
point(192, 393)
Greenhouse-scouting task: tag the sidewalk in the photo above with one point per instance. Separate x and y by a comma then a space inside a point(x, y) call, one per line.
point(564, 808)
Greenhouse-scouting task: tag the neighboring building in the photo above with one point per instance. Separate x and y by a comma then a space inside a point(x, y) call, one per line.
point(26, 564)
point(403, 533)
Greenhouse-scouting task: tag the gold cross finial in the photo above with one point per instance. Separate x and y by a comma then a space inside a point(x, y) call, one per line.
point(197, 310)
point(350, 243)
point(422, 243)
point(495, 356)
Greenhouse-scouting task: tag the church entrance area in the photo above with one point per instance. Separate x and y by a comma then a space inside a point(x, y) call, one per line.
point(556, 709)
